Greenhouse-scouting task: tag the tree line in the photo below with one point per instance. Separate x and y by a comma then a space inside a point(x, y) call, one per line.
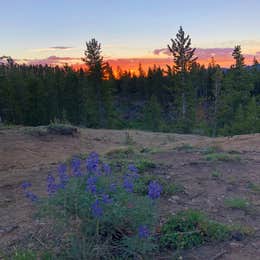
point(186, 97)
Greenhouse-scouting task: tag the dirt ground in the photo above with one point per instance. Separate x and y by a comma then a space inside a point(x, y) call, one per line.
point(24, 157)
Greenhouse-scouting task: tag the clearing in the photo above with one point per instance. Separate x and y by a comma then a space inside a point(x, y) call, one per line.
point(219, 176)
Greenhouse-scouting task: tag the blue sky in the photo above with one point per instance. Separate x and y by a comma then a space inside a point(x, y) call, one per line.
point(125, 28)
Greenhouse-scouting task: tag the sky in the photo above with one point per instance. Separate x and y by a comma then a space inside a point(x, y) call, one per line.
point(55, 31)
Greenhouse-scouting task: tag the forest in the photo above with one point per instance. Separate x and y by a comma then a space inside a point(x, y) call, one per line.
point(187, 97)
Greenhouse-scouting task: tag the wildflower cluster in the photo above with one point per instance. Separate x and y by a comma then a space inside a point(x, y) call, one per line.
point(106, 203)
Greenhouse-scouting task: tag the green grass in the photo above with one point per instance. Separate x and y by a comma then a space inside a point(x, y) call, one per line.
point(186, 148)
point(192, 228)
point(25, 255)
point(122, 153)
point(144, 165)
point(216, 175)
point(210, 150)
point(237, 203)
point(31, 255)
point(254, 187)
point(221, 157)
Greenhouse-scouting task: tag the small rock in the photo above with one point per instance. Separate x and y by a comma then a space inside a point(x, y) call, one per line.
point(257, 203)
point(174, 198)
point(235, 245)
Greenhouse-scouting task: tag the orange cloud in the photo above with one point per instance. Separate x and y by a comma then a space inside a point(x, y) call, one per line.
point(222, 56)
point(162, 57)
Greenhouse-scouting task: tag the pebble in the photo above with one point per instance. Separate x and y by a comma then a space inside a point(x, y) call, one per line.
point(235, 245)
point(174, 198)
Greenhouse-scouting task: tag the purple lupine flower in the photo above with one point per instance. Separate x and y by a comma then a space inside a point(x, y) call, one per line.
point(143, 232)
point(132, 175)
point(92, 162)
point(51, 185)
point(62, 168)
point(96, 209)
point(107, 169)
point(91, 184)
point(31, 196)
point(26, 185)
point(154, 190)
point(133, 172)
point(64, 179)
point(77, 173)
point(75, 166)
point(132, 168)
point(106, 199)
point(128, 184)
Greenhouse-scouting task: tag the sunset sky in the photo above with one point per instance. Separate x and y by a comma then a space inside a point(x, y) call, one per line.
point(55, 31)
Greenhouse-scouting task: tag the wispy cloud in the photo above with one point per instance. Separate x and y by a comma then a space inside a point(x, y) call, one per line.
point(52, 48)
point(51, 60)
point(61, 48)
point(164, 51)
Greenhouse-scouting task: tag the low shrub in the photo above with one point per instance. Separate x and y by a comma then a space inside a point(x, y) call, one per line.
point(191, 228)
point(62, 129)
point(144, 165)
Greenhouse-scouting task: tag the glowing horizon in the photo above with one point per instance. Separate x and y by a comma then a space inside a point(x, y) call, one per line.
point(160, 58)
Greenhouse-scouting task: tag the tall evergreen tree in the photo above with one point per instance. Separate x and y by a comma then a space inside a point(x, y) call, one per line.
point(183, 58)
point(238, 57)
point(96, 73)
point(217, 79)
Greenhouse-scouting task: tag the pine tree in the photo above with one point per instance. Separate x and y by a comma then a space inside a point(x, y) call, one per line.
point(237, 88)
point(96, 73)
point(183, 58)
point(217, 81)
point(239, 58)
point(183, 54)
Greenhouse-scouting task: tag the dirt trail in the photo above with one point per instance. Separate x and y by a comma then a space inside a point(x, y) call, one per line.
point(27, 157)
